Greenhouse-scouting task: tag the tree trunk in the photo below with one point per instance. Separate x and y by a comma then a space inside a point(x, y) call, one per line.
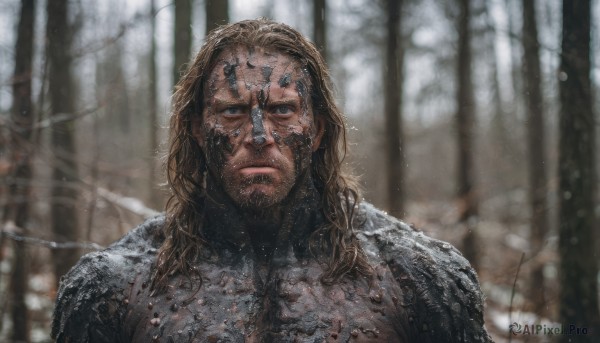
point(515, 65)
point(577, 174)
point(154, 198)
point(500, 135)
point(20, 188)
point(217, 13)
point(65, 173)
point(536, 143)
point(182, 37)
point(465, 122)
point(118, 107)
point(320, 26)
point(392, 75)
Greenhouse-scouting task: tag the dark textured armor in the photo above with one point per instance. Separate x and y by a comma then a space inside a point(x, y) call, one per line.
point(422, 290)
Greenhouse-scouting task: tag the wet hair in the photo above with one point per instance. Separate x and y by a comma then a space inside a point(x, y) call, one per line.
point(186, 163)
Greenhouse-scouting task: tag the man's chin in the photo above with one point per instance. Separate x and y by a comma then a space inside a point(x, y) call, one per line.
point(258, 193)
point(257, 201)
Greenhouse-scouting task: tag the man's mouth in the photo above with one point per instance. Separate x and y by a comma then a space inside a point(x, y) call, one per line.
point(258, 167)
point(257, 170)
point(262, 163)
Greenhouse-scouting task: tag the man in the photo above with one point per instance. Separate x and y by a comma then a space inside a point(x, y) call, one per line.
point(264, 238)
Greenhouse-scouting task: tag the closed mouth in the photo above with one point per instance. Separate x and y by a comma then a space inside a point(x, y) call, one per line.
point(258, 170)
point(258, 165)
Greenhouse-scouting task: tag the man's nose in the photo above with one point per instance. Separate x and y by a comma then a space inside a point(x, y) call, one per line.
point(259, 137)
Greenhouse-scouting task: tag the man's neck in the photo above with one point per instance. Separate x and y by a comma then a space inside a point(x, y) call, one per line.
point(267, 229)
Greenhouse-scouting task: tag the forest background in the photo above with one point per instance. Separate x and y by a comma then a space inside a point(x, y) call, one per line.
point(472, 120)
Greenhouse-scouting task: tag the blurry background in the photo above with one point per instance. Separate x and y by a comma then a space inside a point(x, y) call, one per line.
point(459, 115)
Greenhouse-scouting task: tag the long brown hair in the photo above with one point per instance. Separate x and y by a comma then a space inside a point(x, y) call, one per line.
point(186, 165)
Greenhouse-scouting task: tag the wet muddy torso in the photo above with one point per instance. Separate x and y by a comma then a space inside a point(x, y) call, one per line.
point(241, 302)
point(422, 291)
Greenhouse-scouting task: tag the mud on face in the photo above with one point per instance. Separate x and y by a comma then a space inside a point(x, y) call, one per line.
point(257, 129)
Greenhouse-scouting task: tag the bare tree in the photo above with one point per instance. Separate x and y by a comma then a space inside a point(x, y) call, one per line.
point(118, 109)
point(537, 157)
point(465, 125)
point(153, 109)
point(65, 172)
point(320, 26)
point(392, 74)
point(19, 205)
point(515, 57)
point(577, 173)
point(217, 13)
point(182, 37)
point(499, 120)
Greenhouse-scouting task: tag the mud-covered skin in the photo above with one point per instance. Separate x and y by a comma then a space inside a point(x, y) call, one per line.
point(257, 114)
point(93, 297)
point(423, 291)
point(260, 281)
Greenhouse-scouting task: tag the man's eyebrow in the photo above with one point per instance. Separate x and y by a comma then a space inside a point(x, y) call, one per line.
point(224, 102)
point(284, 101)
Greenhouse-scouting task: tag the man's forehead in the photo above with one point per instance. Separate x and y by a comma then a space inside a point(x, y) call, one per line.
point(255, 61)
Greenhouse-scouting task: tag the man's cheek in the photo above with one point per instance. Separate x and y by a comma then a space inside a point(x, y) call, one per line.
point(219, 145)
point(300, 144)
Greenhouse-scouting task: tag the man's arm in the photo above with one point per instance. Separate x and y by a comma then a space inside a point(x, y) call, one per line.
point(440, 291)
point(90, 303)
point(93, 296)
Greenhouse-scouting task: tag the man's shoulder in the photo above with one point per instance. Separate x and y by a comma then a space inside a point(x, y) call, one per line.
point(143, 239)
point(439, 287)
point(386, 233)
point(138, 247)
point(95, 285)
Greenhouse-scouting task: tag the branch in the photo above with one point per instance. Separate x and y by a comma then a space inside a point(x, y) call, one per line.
point(133, 205)
point(64, 117)
point(9, 229)
point(46, 123)
point(96, 46)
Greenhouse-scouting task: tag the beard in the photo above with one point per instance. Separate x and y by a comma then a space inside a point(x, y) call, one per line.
point(258, 193)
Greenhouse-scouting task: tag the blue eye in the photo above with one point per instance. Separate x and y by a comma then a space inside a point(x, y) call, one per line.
point(283, 110)
point(232, 111)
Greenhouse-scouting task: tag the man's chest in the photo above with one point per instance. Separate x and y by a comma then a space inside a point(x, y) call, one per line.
point(247, 303)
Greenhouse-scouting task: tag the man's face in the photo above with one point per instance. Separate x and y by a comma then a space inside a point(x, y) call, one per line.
point(257, 128)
